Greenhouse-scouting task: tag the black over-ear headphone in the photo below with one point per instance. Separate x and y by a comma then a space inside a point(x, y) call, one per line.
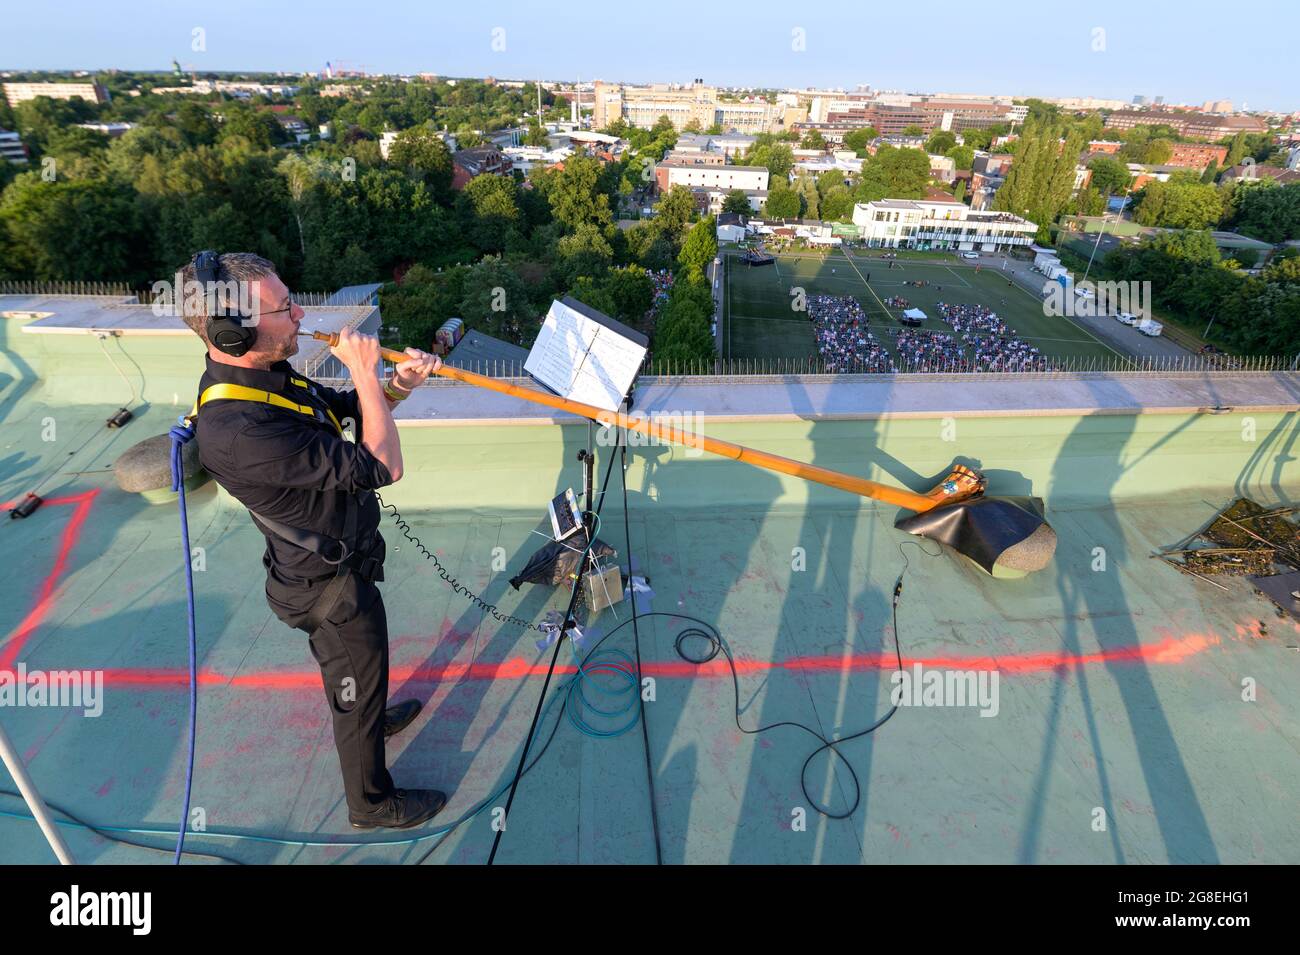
point(227, 331)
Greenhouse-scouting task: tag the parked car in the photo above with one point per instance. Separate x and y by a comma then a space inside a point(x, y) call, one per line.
point(970, 255)
point(1127, 318)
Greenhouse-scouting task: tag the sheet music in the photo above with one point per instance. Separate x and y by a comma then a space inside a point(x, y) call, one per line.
point(581, 359)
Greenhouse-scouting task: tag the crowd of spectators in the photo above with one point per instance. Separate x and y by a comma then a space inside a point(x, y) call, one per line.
point(844, 341)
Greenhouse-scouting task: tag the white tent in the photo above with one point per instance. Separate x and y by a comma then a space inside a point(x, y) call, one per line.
point(915, 313)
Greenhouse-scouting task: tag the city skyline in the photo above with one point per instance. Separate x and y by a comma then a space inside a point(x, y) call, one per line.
point(1108, 51)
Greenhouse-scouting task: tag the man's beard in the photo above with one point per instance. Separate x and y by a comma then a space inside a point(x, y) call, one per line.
point(279, 351)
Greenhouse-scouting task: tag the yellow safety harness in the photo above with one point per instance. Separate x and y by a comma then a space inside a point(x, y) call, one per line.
point(226, 391)
point(342, 553)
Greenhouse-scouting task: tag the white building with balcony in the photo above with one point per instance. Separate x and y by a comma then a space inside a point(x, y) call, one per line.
point(701, 176)
point(932, 224)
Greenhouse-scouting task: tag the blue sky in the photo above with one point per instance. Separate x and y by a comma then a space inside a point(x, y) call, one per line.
point(1187, 52)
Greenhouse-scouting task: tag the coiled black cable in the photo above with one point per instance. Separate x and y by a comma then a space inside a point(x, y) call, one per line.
point(460, 588)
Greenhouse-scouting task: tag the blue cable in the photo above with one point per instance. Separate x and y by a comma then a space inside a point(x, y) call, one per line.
point(181, 434)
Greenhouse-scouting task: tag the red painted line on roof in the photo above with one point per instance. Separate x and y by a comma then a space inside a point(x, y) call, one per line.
point(1170, 650)
point(19, 636)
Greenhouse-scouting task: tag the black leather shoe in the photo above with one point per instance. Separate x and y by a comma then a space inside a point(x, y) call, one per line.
point(404, 809)
point(398, 718)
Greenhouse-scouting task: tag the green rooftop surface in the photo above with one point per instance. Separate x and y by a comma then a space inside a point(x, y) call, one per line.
point(1120, 680)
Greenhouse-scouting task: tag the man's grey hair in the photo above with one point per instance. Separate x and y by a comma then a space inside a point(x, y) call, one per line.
point(234, 267)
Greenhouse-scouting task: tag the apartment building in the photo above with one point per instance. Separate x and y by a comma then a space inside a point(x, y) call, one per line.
point(937, 224)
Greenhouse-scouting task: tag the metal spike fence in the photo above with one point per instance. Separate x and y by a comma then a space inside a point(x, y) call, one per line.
point(1187, 364)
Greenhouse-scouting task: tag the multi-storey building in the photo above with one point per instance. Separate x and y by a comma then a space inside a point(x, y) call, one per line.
point(16, 93)
point(1189, 125)
point(12, 148)
point(643, 106)
point(684, 171)
point(1197, 155)
point(935, 224)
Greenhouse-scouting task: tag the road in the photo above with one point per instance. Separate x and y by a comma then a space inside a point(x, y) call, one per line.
point(1123, 338)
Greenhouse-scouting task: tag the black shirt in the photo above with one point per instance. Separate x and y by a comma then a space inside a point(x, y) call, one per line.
point(289, 466)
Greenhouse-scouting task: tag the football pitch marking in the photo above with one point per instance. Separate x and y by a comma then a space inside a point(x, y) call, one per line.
point(964, 283)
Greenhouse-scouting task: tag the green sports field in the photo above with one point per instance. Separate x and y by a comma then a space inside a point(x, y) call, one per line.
point(759, 321)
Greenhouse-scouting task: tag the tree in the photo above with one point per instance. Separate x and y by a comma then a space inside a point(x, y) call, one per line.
point(699, 250)
point(38, 118)
point(963, 157)
point(573, 195)
point(858, 139)
point(260, 128)
point(301, 176)
point(1269, 212)
point(536, 135)
point(489, 210)
point(736, 201)
point(196, 124)
point(422, 153)
point(837, 204)
point(1090, 202)
point(1110, 177)
point(1042, 176)
point(813, 139)
point(809, 199)
point(894, 174)
point(778, 158)
point(495, 299)
point(1236, 151)
point(356, 267)
point(913, 130)
point(673, 213)
point(584, 251)
point(941, 142)
point(829, 180)
point(632, 292)
point(682, 330)
point(1157, 152)
point(977, 138)
point(595, 294)
point(67, 230)
point(782, 203)
point(1178, 205)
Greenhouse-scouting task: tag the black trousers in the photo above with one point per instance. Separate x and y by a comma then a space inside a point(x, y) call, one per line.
point(351, 647)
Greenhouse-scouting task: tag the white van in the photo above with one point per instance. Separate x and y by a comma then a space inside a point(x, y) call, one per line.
point(1150, 327)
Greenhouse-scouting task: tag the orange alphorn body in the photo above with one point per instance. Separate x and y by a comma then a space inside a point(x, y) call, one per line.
point(961, 484)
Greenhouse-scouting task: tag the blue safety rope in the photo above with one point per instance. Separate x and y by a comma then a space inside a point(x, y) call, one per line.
point(181, 434)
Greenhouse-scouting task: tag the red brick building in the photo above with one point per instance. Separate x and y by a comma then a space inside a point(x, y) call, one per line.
point(1197, 155)
point(1190, 125)
point(468, 163)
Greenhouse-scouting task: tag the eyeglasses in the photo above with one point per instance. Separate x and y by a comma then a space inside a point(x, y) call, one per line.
point(287, 308)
